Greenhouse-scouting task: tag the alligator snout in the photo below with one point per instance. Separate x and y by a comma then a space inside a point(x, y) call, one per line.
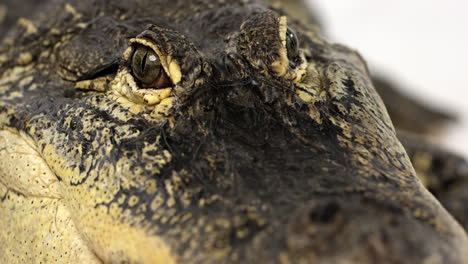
point(360, 230)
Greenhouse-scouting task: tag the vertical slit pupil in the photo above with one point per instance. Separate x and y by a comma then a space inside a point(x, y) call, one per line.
point(143, 62)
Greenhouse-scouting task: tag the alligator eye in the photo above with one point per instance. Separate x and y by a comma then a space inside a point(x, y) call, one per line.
point(292, 44)
point(147, 68)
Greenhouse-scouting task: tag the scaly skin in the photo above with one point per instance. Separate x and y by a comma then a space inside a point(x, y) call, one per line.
point(247, 158)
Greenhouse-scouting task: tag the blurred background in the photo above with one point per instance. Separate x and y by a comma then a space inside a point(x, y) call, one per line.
point(421, 45)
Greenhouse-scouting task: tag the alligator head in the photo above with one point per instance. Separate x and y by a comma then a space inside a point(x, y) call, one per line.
point(207, 132)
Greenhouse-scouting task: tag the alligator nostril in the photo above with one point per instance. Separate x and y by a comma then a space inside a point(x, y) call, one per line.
point(324, 212)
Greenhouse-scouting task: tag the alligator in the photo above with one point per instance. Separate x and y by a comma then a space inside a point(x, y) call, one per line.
point(210, 131)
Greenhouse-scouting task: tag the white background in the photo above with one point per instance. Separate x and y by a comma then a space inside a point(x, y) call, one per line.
point(422, 45)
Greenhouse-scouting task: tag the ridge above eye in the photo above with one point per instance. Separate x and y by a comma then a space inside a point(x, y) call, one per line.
point(147, 69)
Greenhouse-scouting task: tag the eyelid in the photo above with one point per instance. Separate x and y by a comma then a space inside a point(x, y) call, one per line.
point(281, 65)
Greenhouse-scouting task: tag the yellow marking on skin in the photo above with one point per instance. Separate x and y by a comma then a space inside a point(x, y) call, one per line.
point(48, 153)
point(22, 169)
point(55, 31)
point(164, 107)
point(151, 187)
point(28, 25)
point(133, 200)
point(33, 87)
point(306, 97)
point(300, 72)
point(339, 90)
point(115, 235)
point(127, 53)
point(341, 108)
point(114, 241)
point(315, 114)
point(5, 117)
point(14, 74)
point(151, 97)
point(81, 25)
point(39, 224)
point(280, 66)
point(99, 84)
point(70, 9)
point(129, 106)
point(24, 58)
point(40, 229)
point(174, 71)
point(15, 94)
point(171, 201)
point(125, 85)
point(25, 81)
point(121, 200)
point(282, 29)
point(311, 91)
point(157, 202)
